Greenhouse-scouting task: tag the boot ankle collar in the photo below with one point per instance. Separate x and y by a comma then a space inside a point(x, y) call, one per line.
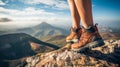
point(76, 30)
point(90, 29)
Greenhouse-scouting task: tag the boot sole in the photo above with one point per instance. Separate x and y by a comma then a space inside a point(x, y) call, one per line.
point(88, 46)
point(72, 41)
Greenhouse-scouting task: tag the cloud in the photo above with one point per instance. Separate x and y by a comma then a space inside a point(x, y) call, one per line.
point(27, 12)
point(32, 14)
point(2, 3)
point(59, 4)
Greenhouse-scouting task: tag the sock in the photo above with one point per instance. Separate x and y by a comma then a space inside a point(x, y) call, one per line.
point(75, 30)
point(90, 29)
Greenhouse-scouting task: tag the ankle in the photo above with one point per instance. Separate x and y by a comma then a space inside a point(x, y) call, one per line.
point(76, 27)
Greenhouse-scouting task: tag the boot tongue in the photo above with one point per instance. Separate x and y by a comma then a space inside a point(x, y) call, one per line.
point(90, 29)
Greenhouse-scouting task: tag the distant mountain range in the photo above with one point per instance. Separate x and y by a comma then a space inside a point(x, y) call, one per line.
point(47, 30)
point(43, 29)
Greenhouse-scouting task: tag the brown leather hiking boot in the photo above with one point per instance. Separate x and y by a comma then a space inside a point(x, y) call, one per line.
point(74, 35)
point(90, 38)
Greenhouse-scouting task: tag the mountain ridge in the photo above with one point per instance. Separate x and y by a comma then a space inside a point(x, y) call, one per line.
point(23, 42)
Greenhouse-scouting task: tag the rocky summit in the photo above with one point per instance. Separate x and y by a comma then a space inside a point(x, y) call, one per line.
point(107, 55)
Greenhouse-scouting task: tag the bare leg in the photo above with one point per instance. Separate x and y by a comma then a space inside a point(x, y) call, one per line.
point(75, 14)
point(75, 30)
point(85, 11)
point(90, 37)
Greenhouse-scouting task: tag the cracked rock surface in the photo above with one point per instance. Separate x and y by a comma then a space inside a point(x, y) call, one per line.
point(107, 55)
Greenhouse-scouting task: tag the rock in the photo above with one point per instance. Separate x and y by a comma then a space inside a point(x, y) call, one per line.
point(107, 55)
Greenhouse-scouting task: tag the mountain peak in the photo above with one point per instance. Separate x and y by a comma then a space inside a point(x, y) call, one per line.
point(46, 29)
point(45, 24)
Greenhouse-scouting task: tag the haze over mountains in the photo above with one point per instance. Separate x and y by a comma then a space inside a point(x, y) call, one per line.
point(43, 29)
point(47, 30)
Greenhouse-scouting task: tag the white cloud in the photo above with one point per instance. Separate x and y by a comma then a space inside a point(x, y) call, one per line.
point(32, 14)
point(2, 3)
point(26, 13)
point(59, 4)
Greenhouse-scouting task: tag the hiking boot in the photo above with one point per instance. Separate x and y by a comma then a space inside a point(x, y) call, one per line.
point(74, 35)
point(90, 38)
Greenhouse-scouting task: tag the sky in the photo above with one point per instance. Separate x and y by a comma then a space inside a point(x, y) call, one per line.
point(32, 12)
